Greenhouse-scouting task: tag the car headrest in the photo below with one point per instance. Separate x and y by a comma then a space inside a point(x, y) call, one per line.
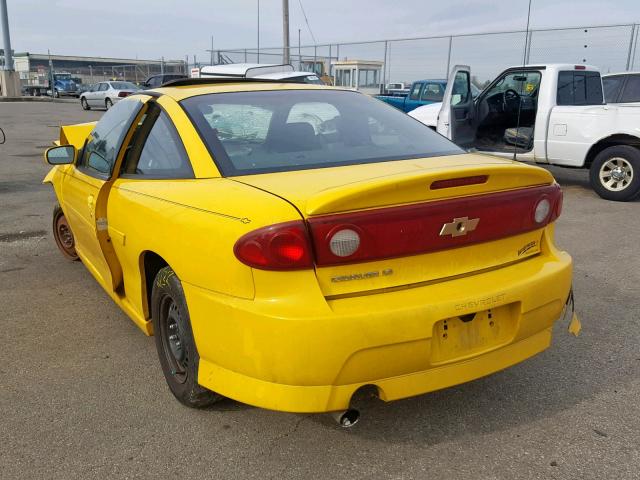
point(293, 137)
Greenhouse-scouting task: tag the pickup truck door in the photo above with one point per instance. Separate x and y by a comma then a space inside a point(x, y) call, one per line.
point(412, 101)
point(455, 120)
point(85, 191)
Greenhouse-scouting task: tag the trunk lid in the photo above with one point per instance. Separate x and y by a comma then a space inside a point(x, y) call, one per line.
point(418, 191)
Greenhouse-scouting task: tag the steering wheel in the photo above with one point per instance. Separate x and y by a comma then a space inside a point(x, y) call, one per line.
point(510, 99)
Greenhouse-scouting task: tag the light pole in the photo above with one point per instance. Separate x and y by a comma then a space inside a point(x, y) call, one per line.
point(6, 38)
point(299, 52)
point(285, 32)
point(9, 80)
point(258, 59)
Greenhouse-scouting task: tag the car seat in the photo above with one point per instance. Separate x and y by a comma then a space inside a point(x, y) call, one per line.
point(519, 136)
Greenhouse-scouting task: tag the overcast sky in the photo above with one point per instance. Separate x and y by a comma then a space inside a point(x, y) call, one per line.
point(173, 29)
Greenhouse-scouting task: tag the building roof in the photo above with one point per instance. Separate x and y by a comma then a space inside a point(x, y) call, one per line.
point(357, 62)
point(96, 60)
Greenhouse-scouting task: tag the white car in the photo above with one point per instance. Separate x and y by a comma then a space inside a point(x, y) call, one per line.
point(267, 71)
point(105, 94)
point(552, 114)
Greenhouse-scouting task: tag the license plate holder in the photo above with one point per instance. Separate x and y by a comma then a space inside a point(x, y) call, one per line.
point(472, 334)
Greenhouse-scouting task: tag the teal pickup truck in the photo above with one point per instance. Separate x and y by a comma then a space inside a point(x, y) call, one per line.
point(422, 92)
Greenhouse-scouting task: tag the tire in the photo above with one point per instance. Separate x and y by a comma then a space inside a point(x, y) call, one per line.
point(615, 173)
point(56, 94)
point(63, 235)
point(108, 103)
point(174, 341)
point(85, 105)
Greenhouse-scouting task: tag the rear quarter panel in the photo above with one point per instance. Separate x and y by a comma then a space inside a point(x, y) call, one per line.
point(573, 130)
point(193, 225)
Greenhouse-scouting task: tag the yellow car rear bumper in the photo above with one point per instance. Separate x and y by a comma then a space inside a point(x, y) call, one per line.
point(394, 340)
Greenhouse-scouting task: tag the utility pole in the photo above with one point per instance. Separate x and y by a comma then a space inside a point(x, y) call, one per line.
point(285, 32)
point(258, 59)
point(211, 50)
point(299, 52)
point(9, 80)
point(6, 38)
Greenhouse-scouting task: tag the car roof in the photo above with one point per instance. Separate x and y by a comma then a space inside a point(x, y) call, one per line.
point(282, 75)
point(245, 69)
point(432, 80)
point(620, 73)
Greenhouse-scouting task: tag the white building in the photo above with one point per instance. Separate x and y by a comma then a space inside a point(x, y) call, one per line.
point(363, 75)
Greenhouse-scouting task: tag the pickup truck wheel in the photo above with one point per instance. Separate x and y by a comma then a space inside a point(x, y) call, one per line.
point(174, 341)
point(615, 173)
point(85, 105)
point(63, 235)
point(108, 103)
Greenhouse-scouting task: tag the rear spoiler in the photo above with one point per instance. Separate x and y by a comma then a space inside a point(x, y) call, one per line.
point(75, 134)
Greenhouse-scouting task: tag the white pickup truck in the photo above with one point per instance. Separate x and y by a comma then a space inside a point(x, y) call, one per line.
point(549, 114)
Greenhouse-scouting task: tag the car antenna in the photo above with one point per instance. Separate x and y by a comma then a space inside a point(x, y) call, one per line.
point(524, 63)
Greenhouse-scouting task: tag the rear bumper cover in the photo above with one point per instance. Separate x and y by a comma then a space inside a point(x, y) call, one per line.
point(283, 355)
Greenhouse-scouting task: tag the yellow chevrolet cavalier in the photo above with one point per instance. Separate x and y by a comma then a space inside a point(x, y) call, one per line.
point(290, 244)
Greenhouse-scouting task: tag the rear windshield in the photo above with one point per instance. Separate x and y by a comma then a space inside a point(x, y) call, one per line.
point(272, 131)
point(124, 86)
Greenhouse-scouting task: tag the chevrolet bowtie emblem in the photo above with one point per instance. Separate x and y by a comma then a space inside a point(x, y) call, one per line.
point(459, 226)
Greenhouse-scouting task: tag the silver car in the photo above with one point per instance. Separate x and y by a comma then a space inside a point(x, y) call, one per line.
point(105, 94)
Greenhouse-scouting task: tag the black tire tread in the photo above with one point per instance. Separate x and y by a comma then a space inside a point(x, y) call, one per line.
point(189, 393)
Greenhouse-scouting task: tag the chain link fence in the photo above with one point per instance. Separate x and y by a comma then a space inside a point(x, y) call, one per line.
point(36, 70)
point(612, 48)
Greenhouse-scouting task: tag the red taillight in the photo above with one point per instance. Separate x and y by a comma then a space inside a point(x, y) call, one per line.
point(123, 94)
point(427, 227)
point(580, 67)
point(284, 246)
point(400, 231)
point(459, 182)
point(559, 202)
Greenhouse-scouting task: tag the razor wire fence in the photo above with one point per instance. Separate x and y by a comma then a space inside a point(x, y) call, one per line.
point(612, 48)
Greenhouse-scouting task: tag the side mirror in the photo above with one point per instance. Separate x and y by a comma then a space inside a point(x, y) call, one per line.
point(62, 155)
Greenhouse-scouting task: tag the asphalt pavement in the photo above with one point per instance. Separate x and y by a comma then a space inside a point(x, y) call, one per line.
point(82, 394)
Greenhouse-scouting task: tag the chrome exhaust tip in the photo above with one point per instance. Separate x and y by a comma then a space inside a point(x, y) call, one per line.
point(346, 418)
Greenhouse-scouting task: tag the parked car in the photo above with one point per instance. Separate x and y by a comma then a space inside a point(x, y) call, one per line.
point(422, 92)
point(622, 87)
point(285, 73)
point(106, 94)
point(551, 114)
point(154, 81)
point(398, 88)
point(290, 244)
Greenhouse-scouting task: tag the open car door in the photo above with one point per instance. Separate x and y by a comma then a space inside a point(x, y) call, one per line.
point(455, 120)
point(85, 190)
